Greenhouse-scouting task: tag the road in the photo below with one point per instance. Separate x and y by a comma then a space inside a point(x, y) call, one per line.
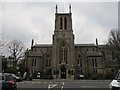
point(63, 84)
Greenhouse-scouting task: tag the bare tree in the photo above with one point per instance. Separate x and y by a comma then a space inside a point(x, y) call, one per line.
point(3, 43)
point(114, 41)
point(16, 49)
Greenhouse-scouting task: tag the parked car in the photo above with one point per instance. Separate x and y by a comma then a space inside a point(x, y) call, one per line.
point(38, 75)
point(18, 79)
point(7, 82)
point(115, 84)
point(27, 76)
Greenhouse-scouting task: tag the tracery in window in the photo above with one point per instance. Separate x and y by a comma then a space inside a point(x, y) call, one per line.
point(79, 61)
point(63, 53)
point(48, 61)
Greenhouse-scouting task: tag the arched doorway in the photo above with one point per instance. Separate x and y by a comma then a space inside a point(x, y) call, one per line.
point(63, 72)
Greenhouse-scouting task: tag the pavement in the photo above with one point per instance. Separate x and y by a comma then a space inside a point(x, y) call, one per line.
point(65, 80)
point(63, 84)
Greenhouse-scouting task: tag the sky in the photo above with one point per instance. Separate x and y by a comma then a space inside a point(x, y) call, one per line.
point(25, 21)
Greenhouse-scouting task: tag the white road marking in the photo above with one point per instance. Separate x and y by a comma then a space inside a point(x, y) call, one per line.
point(63, 83)
point(20, 82)
point(52, 86)
point(45, 82)
point(55, 82)
point(50, 82)
point(88, 86)
point(62, 88)
point(38, 82)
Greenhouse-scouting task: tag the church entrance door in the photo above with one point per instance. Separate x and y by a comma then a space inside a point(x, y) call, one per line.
point(63, 72)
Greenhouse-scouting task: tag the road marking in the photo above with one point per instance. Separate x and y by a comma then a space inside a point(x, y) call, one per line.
point(38, 82)
point(88, 86)
point(50, 82)
point(55, 82)
point(63, 83)
point(45, 82)
point(62, 88)
point(20, 82)
point(52, 86)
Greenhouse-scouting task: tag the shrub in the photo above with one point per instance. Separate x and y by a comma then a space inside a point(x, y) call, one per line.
point(48, 77)
point(109, 75)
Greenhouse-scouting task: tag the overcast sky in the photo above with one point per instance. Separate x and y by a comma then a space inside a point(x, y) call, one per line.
point(25, 21)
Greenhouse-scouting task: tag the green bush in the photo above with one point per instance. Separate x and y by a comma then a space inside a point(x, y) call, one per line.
point(109, 75)
point(47, 77)
point(11, 70)
point(95, 77)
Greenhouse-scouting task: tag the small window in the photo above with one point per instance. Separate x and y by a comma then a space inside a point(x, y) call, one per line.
point(33, 62)
point(35, 49)
point(95, 63)
point(81, 71)
point(113, 55)
point(54, 72)
point(61, 23)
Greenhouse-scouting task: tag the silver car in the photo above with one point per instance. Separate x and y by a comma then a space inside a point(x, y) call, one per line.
point(115, 84)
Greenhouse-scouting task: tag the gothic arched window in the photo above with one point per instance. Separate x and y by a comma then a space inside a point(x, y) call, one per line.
point(61, 23)
point(79, 61)
point(48, 61)
point(33, 62)
point(63, 53)
point(65, 22)
point(94, 61)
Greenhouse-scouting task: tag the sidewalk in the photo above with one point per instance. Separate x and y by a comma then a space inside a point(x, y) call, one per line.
point(65, 80)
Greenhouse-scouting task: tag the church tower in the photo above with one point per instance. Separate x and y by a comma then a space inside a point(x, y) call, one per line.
point(63, 46)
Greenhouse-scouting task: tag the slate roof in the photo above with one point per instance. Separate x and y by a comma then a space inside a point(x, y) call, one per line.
point(112, 63)
point(35, 54)
point(85, 45)
point(93, 54)
point(50, 45)
point(42, 45)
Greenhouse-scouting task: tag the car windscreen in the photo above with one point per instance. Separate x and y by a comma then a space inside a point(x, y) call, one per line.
point(3, 78)
point(9, 78)
point(117, 76)
point(14, 75)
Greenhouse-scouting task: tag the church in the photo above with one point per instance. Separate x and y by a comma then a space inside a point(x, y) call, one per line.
point(63, 59)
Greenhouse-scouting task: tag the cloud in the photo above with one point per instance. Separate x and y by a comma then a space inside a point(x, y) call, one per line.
point(29, 20)
point(94, 20)
point(23, 22)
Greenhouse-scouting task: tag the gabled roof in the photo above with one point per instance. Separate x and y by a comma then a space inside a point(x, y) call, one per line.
point(42, 45)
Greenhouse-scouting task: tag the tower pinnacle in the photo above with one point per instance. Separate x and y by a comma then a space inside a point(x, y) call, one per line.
point(96, 41)
point(56, 8)
point(32, 42)
point(70, 8)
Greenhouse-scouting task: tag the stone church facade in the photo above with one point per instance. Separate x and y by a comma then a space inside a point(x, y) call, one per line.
point(63, 59)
